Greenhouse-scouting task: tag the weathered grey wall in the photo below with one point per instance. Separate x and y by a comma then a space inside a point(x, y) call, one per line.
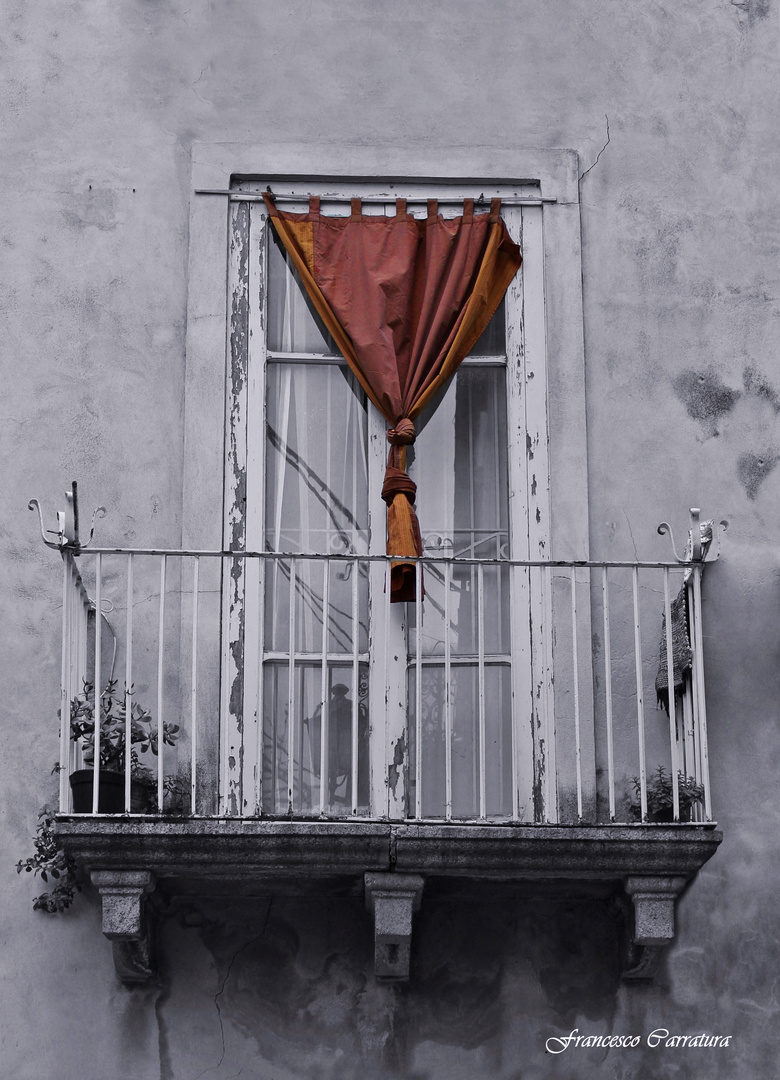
point(100, 103)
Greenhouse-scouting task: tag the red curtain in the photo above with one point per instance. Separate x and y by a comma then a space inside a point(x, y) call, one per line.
point(405, 300)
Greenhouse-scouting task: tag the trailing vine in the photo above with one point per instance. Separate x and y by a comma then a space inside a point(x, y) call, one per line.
point(50, 861)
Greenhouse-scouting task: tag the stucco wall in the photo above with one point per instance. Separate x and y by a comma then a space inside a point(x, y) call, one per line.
point(672, 108)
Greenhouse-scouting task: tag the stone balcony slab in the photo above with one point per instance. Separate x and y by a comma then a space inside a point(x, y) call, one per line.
point(391, 861)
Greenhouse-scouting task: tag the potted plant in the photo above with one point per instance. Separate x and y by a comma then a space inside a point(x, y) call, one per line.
point(660, 798)
point(112, 751)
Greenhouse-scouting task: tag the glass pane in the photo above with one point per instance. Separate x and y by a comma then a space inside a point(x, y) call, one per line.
point(463, 610)
point(460, 466)
point(346, 591)
point(347, 731)
point(316, 503)
point(293, 324)
point(465, 764)
point(459, 463)
point(317, 469)
point(493, 340)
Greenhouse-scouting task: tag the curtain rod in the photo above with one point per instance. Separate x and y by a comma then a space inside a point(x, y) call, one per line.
point(251, 196)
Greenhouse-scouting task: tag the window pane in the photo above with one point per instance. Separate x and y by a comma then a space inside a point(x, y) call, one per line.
point(293, 324)
point(347, 726)
point(317, 469)
point(463, 610)
point(345, 590)
point(316, 503)
point(459, 463)
point(466, 766)
point(493, 340)
point(460, 467)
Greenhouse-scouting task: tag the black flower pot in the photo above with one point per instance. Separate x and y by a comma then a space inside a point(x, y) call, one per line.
point(111, 796)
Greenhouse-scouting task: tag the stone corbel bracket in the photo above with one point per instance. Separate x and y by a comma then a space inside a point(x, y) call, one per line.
point(392, 899)
point(654, 899)
point(125, 922)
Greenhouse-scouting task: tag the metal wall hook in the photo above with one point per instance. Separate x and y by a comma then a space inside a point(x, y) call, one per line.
point(665, 529)
point(67, 531)
point(700, 537)
point(33, 504)
point(98, 512)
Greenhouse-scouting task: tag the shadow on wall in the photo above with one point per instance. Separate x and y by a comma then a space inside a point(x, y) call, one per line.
point(295, 975)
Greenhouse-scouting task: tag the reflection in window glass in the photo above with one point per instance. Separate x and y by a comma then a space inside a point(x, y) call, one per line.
point(346, 720)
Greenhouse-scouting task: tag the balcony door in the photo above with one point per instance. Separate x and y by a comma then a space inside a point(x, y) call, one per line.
point(338, 703)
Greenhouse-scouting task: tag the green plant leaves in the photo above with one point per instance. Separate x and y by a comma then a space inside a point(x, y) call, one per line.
point(49, 860)
point(114, 717)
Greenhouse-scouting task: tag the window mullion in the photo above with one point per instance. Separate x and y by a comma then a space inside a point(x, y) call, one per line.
point(387, 672)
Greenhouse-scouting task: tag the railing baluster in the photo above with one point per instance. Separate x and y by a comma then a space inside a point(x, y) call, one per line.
point(385, 727)
point(640, 706)
point(257, 750)
point(291, 693)
point(447, 695)
point(67, 577)
point(229, 630)
point(160, 688)
point(355, 681)
point(87, 605)
point(83, 605)
point(698, 662)
point(576, 675)
point(418, 617)
point(75, 632)
point(324, 711)
point(608, 692)
point(691, 701)
point(481, 685)
point(671, 698)
point(98, 696)
point(549, 732)
point(688, 756)
point(129, 683)
point(194, 687)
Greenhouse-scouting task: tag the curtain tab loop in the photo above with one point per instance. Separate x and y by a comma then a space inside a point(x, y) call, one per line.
point(314, 205)
point(495, 210)
point(356, 207)
point(468, 210)
point(433, 209)
point(400, 208)
point(402, 434)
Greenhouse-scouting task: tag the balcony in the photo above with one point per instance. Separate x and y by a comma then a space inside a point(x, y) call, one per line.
point(310, 734)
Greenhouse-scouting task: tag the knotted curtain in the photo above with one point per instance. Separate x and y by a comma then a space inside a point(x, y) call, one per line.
point(405, 300)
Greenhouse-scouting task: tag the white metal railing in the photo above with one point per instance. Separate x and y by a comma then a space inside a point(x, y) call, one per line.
point(550, 718)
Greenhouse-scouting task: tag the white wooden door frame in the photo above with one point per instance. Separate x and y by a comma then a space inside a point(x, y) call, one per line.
point(529, 517)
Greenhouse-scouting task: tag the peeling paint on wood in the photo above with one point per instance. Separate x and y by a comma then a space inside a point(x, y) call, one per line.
point(397, 765)
point(236, 505)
